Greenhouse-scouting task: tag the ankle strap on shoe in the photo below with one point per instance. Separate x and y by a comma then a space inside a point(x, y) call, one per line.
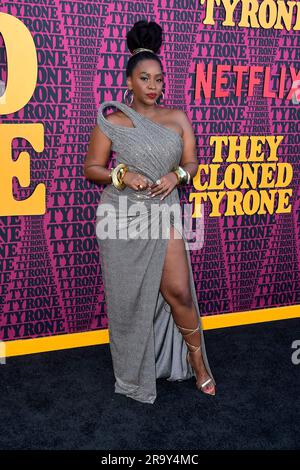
point(190, 329)
point(189, 334)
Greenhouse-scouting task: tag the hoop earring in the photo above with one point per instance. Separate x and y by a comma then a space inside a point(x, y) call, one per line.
point(125, 97)
point(163, 97)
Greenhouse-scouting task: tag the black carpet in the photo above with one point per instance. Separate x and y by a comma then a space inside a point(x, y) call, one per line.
point(65, 399)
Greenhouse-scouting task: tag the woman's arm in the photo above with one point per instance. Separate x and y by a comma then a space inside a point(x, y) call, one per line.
point(97, 157)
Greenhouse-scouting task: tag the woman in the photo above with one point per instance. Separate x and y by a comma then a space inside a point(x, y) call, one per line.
point(153, 314)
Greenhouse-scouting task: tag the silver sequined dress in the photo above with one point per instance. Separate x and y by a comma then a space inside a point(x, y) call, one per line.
point(145, 343)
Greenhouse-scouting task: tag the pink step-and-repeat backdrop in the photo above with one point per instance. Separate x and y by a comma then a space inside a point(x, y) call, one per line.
point(235, 74)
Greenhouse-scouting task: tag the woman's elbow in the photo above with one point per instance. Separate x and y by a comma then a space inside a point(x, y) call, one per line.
point(87, 172)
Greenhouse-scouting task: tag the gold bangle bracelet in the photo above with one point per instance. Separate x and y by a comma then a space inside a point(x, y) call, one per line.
point(117, 175)
point(188, 178)
point(182, 175)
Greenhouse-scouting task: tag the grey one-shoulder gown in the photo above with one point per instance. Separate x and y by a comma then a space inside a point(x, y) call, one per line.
point(145, 343)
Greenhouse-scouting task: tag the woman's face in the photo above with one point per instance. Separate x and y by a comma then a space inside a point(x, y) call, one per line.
point(146, 79)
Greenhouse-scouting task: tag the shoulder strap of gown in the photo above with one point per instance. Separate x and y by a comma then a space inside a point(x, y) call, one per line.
point(108, 127)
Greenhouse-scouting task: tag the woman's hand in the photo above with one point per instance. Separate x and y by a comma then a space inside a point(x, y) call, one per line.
point(135, 181)
point(167, 183)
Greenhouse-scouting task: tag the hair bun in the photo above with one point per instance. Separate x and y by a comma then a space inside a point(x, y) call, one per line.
point(144, 34)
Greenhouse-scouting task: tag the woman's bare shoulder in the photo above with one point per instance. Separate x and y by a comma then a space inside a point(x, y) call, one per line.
point(179, 116)
point(174, 112)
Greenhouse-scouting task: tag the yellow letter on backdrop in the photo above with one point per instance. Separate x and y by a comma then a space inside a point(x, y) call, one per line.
point(35, 204)
point(21, 64)
point(21, 81)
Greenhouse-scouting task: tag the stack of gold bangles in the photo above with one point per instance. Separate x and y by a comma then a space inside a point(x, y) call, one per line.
point(183, 176)
point(117, 174)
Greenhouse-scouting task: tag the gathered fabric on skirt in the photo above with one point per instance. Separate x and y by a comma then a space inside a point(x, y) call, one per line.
point(145, 343)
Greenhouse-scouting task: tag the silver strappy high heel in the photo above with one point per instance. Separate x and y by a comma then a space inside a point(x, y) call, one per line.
point(199, 386)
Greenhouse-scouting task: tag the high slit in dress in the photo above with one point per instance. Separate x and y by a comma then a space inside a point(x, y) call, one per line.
point(145, 343)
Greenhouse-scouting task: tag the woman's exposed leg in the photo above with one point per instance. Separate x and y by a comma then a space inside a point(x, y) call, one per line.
point(175, 288)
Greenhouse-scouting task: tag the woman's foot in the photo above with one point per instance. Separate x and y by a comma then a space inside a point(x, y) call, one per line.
point(204, 382)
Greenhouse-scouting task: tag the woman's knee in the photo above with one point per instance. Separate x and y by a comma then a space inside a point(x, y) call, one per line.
point(181, 298)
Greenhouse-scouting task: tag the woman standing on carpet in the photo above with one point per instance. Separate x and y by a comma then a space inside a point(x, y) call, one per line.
point(153, 315)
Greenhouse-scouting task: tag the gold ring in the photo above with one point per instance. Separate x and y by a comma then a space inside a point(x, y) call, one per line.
point(140, 186)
